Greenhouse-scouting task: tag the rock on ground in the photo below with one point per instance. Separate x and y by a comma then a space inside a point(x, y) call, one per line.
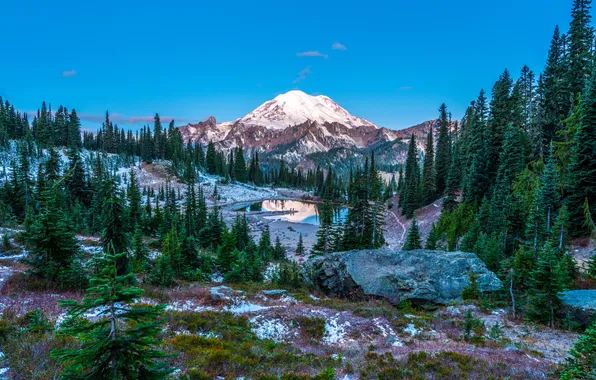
point(580, 305)
point(220, 293)
point(421, 276)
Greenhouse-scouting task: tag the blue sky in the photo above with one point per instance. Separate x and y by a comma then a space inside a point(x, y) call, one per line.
point(393, 62)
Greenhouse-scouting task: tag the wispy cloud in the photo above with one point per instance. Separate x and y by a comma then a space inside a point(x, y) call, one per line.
point(302, 74)
point(312, 53)
point(406, 88)
point(69, 73)
point(337, 46)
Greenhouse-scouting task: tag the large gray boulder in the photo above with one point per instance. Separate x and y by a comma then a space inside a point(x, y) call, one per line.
point(579, 306)
point(421, 276)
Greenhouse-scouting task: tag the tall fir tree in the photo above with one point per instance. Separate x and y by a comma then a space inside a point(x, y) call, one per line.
point(54, 247)
point(546, 283)
point(412, 180)
point(240, 172)
point(300, 246)
point(429, 181)
point(114, 236)
point(211, 158)
point(582, 168)
point(443, 159)
point(580, 47)
point(413, 239)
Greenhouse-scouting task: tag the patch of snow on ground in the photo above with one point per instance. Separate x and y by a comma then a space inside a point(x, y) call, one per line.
point(273, 329)
point(14, 257)
point(187, 306)
point(387, 332)
point(289, 300)
point(411, 329)
point(245, 307)
point(270, 272)
point(216, 277)
point(335, 332)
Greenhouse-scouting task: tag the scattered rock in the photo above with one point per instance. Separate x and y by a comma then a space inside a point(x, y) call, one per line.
point(511, 347)
point(221, 293)
point(421, 276)
point(275, 292)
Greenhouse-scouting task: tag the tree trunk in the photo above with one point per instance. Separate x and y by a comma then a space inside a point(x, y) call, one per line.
point(512, 294)
point(113, 337)
point(561, 233)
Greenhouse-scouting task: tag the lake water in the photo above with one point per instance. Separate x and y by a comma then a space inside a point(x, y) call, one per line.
point(302, 212)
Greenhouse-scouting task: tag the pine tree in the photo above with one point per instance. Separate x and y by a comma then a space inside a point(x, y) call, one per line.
point(433, 238)
point(582, 363)
point(412, 180)
point(134, 201)
point(74, 130)
point(443, 158)
point(171, 248)
point(240, 172)
point(158, 138)
point(546, 283)
point(114, 237)
point(376, 217)
point(553, 101)
point(428, 170)
point(550, 189)
point(139, 250)
point(241, 232)
point(162, 273)
point(211, 234)
point(52, 166)
point(54, 247)
point(477, 181)
point(279, 252)
point(211, 158)
point(76, 179)
point(227, 254)
point(265, 243)
point(300, 247)
point(581, 39)
point(325, 232)
point(560, 232)
point(121, 343)
point(582, 169)
point(413, 240)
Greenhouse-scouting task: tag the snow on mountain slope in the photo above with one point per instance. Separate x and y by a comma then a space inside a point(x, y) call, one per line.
point(296, 107)
point(293, 125)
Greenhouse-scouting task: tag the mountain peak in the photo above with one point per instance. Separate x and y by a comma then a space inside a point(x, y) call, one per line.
point(295, 107)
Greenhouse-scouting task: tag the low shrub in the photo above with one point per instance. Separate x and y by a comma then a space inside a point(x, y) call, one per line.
point(312, 327)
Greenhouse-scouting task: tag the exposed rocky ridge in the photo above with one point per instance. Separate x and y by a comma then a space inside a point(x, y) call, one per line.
point(309, 131)
point(421, 276)
point(293, 143)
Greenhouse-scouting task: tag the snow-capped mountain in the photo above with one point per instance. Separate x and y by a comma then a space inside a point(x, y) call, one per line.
point(296, 107)
point(292, 125)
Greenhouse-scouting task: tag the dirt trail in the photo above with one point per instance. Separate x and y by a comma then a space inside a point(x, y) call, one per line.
point(397, 225)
